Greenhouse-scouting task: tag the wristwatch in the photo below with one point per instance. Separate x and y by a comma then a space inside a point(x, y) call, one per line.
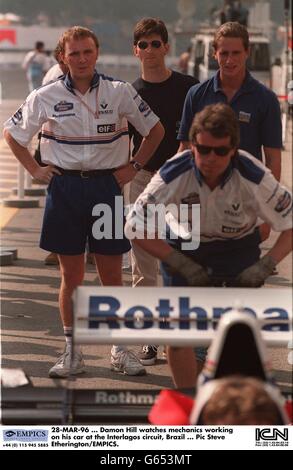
point(136, 165)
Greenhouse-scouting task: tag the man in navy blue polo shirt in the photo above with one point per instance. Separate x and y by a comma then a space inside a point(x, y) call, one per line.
point(256, 107)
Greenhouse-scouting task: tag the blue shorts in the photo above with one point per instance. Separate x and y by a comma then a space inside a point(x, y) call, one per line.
point(68, 221)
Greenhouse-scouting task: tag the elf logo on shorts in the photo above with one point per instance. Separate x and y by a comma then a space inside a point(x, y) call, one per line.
point(63, 106)
point(106, 128)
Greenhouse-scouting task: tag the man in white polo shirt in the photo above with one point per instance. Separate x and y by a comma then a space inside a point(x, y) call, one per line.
point(85, 144)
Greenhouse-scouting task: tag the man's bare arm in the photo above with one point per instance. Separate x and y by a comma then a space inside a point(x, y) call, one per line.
point(273, 161)
point(148, 146)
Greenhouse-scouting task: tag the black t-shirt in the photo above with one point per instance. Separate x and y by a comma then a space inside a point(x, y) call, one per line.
point(166, 99)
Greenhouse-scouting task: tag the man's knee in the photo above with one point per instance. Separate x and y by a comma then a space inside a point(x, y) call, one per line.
point(110, 269)
point(72, 270)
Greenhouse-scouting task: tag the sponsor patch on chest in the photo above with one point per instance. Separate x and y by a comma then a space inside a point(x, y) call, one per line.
point(106, 128)
point(63, 106)
point(244, 117)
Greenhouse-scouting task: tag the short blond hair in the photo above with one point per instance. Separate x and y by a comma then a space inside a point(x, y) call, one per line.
point(76, 32)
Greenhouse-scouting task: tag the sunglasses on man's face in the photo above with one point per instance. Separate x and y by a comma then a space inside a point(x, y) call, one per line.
point(221, 151)
point(156, 44)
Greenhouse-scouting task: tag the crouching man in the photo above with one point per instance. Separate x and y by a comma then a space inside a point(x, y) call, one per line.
point(233, 189)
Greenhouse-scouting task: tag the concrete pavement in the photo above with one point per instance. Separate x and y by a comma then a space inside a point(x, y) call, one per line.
point(32, 337)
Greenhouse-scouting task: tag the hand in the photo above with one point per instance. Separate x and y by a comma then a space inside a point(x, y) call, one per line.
point(255, 275)
point(44, 174)
point(124, 174)
point(193, 272)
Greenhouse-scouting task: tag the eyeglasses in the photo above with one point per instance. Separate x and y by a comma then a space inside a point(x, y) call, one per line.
point(156, 44)
point(221, 151)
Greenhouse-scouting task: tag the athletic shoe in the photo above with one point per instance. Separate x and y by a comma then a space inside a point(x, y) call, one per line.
point(148, 355)
point(127, 363)
point(65, 367)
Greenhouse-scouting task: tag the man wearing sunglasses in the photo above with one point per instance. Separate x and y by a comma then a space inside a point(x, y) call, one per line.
point(164, 90)
point(233, 189)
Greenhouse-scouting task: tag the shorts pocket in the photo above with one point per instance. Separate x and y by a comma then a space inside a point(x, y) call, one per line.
point(49, 187)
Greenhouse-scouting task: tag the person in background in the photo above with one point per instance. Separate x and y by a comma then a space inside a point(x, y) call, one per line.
point(256, 107)
point(183, 61)
point(56, 70)
point(35, 64)
point(233, 10)
point(164, 90)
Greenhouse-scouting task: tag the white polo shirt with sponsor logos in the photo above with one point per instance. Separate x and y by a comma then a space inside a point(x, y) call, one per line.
point(248, 190)
point(82, 132)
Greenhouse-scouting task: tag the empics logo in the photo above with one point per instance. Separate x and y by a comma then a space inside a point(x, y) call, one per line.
point(271, 437)
point(25, 435)
point(9, 433)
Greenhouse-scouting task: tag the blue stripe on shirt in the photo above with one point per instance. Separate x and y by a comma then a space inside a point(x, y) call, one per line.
point(176, 166)
point(248, 169)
